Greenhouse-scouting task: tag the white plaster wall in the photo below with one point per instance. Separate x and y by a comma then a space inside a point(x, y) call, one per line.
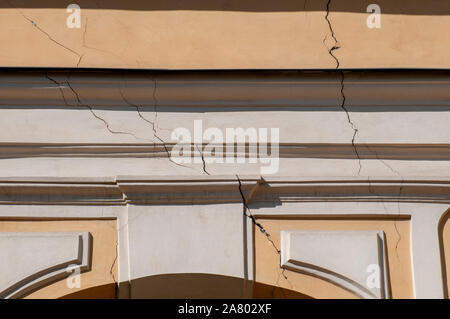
point(304, 167)
point(384, 124)
point(186, 239)
point(215, 239)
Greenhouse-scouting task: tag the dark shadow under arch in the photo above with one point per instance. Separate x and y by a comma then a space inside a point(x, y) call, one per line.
point(191, 286)
point(444, 219)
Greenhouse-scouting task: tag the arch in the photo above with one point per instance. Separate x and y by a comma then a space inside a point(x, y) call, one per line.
point(444, 251)
point(193, 286)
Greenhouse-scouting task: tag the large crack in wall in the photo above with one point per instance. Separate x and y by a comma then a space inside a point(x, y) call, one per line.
point(331, 50)
point(337, 46)
point(247, 213)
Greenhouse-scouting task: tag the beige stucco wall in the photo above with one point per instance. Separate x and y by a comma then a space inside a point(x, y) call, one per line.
point(267, 261)
point(104, 252)
point(401, 120)
point(225, 34)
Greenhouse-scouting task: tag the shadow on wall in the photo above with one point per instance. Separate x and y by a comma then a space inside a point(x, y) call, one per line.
point(192, 286)
point(412, 7)
point(444, 244)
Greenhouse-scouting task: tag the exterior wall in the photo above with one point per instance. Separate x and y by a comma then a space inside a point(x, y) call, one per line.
point(85, 153)
point(89, 145)
point(104, 267)
point(205, 34)
point(398, 247)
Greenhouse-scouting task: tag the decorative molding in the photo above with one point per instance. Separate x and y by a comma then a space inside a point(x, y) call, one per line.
point(60, 191)
point(219, 89)
point(125, 190)
point(188, 191)
point(327, 151)
point(345, 258)
point(33, 260)
point(395, 189)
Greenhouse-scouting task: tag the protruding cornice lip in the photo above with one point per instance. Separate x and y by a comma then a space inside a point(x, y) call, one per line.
point(186, 178)
point(208, 178)
point(431, 151)
point(123, 190)
point(58, 180)
point(437, 9)
point(224, 90)
point(209, 71)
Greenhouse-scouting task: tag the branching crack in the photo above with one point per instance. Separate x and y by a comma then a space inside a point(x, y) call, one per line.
point(382, 161)
point(85, 45)
point(59, 87)
point(246, 211)
point(203, 159)
point(153, 124)
point(331, 50)
point(80, 103)
point(34, 24)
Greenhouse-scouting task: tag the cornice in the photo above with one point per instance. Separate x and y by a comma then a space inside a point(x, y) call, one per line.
point(199, 89)
point(219, 189)
point(299, 150)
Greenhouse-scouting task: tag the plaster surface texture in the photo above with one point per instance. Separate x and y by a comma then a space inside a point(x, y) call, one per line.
point(200, 239)
point(247, 34)
point(41, 247)
point(87, 117)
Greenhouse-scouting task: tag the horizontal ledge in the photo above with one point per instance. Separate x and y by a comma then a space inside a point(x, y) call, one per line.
point(389, 7)
point(220, 189)
point(298, 150)
point(271, 89)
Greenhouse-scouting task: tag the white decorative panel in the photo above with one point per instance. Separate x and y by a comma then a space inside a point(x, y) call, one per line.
point(354, 260)
point(32, 260)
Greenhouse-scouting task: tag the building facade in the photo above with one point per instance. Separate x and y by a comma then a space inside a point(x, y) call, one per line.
point(217, 149)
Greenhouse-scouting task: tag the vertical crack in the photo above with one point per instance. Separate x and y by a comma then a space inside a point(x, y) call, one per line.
point(155, 105)
point(246, 212)
point(85, 45)
point(111, 271)
point(399, 236)
point(59, 87)
point(331, 50)
point(336, 45)
point(155, 123)
point(203, 159)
